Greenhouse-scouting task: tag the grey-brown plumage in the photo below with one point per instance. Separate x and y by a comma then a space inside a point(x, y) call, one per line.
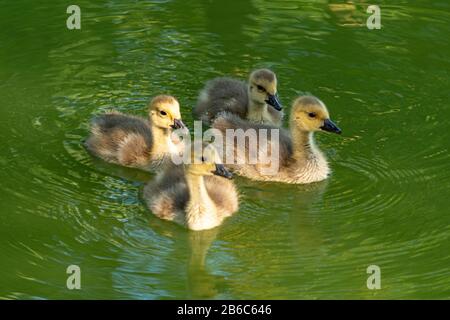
point(191, 195)
point(255, 101)
point(298, 160)
point(136, 142)
point(121, 139)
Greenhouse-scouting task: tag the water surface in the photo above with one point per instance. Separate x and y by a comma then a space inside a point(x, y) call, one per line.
point(385, 204)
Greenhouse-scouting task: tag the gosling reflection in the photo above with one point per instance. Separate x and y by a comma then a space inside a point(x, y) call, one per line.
point(304, 221)
point(298, 207)
point(347, 14)
point(129, 174)
point(200, 282)
point(191, 248)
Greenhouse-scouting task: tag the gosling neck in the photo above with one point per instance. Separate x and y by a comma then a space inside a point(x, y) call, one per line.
point(304, 147)
point(310, 162)
point(201, 211)
point(161, 139)
point(256, 110)
point(197, 188)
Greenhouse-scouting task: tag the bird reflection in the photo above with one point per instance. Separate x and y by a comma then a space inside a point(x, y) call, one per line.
point(346, 14)
point(129, 174)
point(191, 248)
point(200, 282)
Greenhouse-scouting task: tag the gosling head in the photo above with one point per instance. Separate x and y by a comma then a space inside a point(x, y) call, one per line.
point(310, 114)
point(165, 112)
point(205, 161)
point(263, 88)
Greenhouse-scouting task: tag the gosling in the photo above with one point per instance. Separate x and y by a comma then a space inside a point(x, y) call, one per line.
point(136, 142)
point(256, 101)
point(196, 195)
point(299, 159)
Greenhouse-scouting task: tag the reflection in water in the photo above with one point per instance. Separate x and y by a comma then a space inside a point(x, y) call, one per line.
point(282, 263)
point(346, 14)
point(201, 283)
point(305, 218)
point(183, 261)
point(385, 203)
point(121, 172)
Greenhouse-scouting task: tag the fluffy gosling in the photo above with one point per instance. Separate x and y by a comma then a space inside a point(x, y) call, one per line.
point(256, 101)
point(196, 195)
point(136, 142)
point(299, 159)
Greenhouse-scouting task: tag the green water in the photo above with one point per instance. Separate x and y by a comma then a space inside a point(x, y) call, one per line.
point(387, 202)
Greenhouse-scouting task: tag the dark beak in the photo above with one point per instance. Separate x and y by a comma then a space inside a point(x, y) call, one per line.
point(329, 126)
point(274, 102)
point(222, 171)
point(178, 124)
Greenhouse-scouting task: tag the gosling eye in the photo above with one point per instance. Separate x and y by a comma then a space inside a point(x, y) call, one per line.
point(163, 113)
point(312, 114)
point(261, 88)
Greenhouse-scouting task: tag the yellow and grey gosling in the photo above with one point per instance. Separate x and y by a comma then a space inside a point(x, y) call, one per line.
point(256, 101)
point(136, 142)
point(195, 195)
point(299, 159)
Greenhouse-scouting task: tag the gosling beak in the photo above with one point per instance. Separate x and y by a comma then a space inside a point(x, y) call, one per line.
point(329, 126)
point(274, 102)
point(222, 171)
point(178, 124)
